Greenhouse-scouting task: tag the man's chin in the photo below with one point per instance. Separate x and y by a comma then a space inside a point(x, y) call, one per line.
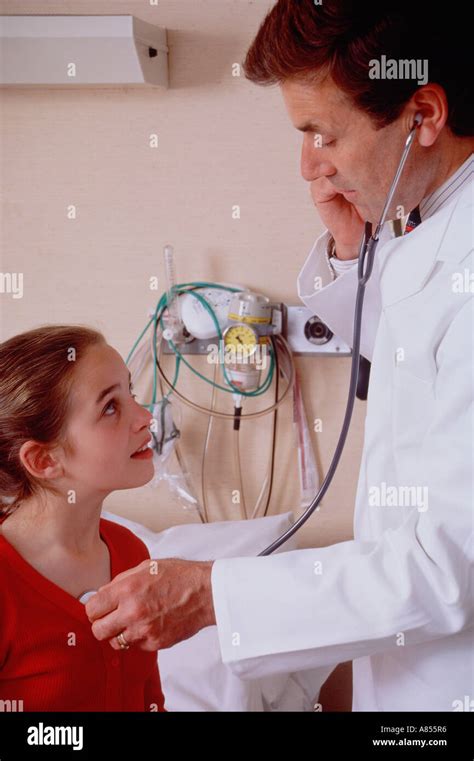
point(364, 211)
point(368, 214)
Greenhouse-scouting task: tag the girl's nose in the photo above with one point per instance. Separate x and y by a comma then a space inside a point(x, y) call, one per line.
point(143, 417)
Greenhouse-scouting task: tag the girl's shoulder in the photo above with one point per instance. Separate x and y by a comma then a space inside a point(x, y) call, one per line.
point(125, 543)
point(4, 546)
point(9, 577)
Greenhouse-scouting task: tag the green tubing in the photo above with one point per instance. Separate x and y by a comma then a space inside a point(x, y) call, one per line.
point(158, 318)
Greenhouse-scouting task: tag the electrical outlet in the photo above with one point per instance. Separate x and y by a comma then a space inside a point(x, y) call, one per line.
point(308, 336)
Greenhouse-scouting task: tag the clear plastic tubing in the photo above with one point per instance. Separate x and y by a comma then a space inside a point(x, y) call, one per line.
point(174, 317)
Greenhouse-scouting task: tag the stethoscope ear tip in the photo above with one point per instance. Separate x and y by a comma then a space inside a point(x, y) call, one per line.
point(418, 120)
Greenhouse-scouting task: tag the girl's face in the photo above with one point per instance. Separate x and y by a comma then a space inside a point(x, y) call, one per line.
point(105, 427)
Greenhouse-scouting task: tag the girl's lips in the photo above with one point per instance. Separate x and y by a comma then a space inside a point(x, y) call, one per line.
point(147, 454)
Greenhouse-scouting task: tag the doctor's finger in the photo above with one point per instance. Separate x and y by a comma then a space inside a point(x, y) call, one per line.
point(115, 644)
point(109, 626)
point(103, 602)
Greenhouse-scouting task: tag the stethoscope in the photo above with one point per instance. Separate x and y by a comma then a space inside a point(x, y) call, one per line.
point(368, 247)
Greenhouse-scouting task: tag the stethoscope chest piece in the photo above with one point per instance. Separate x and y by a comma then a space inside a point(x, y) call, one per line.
point(87, 595)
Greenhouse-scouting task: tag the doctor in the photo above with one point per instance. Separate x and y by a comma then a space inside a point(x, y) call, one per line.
point(397, 600)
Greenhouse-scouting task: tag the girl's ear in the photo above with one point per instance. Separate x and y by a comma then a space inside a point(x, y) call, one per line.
point(40, 461)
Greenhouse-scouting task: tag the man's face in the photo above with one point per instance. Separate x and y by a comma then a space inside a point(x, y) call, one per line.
point(341, 145)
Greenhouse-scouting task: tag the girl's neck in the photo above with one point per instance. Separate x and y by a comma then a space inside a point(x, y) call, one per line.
point(54, 523)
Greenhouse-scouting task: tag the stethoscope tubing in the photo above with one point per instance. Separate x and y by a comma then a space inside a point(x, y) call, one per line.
point(367, 250)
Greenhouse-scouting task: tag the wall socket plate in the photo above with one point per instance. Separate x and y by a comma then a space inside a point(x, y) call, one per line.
point(306, 334)
point(304, 331)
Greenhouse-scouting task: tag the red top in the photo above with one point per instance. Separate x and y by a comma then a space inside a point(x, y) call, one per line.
point(49, 658)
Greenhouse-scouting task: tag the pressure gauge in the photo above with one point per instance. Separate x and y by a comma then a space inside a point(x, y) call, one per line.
point(242, 339)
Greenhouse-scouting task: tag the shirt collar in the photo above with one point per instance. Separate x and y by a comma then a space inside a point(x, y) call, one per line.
point(448, 190)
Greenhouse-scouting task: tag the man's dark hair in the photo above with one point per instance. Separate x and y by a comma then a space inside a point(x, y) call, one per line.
point(300, 39)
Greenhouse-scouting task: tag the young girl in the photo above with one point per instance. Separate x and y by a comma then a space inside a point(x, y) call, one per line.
point(71, 432)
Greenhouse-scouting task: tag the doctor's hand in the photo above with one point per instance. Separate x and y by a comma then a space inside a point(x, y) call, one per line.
point(342, 218)
point(155, 605)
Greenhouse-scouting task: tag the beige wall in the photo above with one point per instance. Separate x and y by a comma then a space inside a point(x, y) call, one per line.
point(222, 141)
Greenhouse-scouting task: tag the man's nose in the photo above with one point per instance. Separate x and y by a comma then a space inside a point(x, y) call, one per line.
point(314, 164)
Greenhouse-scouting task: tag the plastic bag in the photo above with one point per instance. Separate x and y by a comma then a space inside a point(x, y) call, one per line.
point(165, 436)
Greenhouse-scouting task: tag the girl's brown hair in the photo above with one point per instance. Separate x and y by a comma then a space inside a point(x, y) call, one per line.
point(36, 375)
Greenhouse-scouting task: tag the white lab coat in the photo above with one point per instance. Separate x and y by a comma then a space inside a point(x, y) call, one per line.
point(398, 598)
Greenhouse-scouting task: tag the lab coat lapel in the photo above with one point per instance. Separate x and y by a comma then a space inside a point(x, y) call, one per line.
point(409, 261)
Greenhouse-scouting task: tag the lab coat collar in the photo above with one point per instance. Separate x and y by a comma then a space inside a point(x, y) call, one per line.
point(449, 190)
point(407, 263)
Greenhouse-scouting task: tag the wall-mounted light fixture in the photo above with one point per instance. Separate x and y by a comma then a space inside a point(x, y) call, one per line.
point(82, 51)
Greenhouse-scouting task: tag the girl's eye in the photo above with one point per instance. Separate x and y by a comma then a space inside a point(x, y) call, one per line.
point(111, 406)
point(330, 142)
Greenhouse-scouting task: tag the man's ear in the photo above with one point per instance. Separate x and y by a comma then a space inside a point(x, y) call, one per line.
point(40, 461)
point(431, 102)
